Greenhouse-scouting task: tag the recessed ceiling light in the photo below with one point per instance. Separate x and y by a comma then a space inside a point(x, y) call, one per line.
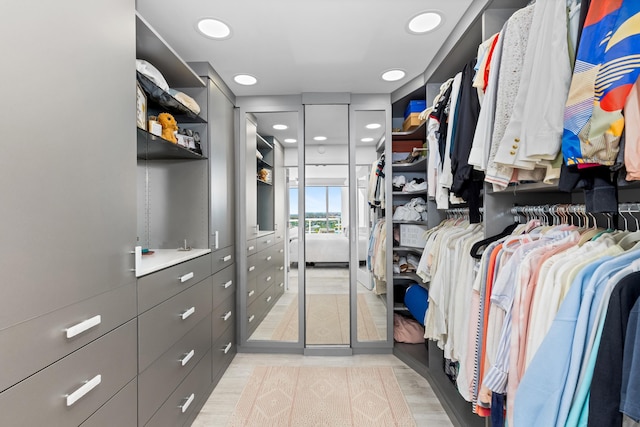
point(280, 127)
point(393, 75)
point(214, 28)
point(424, 22)
point(367, 140)
point(290, 140)
point(245, 79)
point(320, 138)
point(373, 126)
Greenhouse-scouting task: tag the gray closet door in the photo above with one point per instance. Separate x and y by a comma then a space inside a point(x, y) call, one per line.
point(281, 210)
point(251, 190)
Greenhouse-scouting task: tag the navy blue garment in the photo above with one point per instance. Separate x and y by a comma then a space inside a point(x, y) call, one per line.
point(497, 409)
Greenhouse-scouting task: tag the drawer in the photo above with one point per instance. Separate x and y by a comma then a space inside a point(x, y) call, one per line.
point(120, 410)
point(265, 279)
point(252, 246)
point(279, 235)
point(223, 316)
point(187, 398)
point(160, 327)
point(162, 285)
point(278, 254)
point(223, 350)
point(279, 283)
point(222, 258)
point(224, 284)
point(160, 379)
point(263, 242)
point(41, 341)
point(254, 265)
point(69, 391)
point(270, 297)
point(252, 291)
point(255, 313)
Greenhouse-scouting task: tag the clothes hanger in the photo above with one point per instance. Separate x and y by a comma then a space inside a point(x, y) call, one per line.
point(482, 244)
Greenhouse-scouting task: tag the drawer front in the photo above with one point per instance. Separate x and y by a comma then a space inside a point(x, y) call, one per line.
point(252, 291)
point(278, 254)
point(254, 265)
point(160, 379)
point(223, 316)
point(222, 258)
point(43, 340)
point(279, 235)
point(69, 391)
point(255, 312)
point(252, 246)
point(270, 296)
point(265, 279)
point(162, 326)
point(120, 410)
point(279, 283)
point(187, 397)
point(224, 284)
point(266, 241)
point(223, 350)
point(162, 285)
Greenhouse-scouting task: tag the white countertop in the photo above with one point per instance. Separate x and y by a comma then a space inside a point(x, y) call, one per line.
point(163, 258)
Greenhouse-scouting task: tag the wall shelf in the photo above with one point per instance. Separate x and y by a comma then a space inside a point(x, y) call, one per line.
point(419, 165)
point(152, 147)
point(419, 133)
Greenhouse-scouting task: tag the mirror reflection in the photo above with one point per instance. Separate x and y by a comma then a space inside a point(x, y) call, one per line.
point(272, 308)
point(369, 139)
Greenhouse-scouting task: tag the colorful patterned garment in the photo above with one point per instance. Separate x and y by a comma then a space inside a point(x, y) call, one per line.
point(607, 66)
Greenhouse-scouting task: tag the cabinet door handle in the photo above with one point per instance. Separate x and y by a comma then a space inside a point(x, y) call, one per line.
point(251, 292)
point(187, 357)
point(251, 318)
point(268, 278)
point(281, 251)
point(226, 316)
point(281, 268)
point(83, 326)
point(268, 241)
point(216, 239)
point(269, 298)
point(186, 277)
point(84, 389)
point(186, 404)
point(227, 258)
point(281, 284)
point(227, 348)
point(187, 313)
point(269, 258)
point(229, 283)
point(253, 267)
point(250, 248)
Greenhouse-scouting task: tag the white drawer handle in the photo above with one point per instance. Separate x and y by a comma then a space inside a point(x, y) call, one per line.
point(269, 299)
point(227, 258)
point(251, 318)
point(229, 283)
point(187, 357)
point(268, 278)
point(227, 348)
point(251, 292)
point(187, 313)
point(251, 248)
point(281, 251)
point(253, 267)
point(186, 404)
point(281, 285)
point(269, 258)
point(83, 326)
point(186, 277)
point(281, 268)
point(268, 241)
point(84, 389)
point(226, 316)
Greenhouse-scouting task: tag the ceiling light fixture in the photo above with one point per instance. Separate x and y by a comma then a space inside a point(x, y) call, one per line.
point(320, 138)
point(290, 140)
point(367, 140)
point(214, 29)
point(280, 127)
point(245, 79)
point(393, 75)
point(373, 126)
point(424, 22)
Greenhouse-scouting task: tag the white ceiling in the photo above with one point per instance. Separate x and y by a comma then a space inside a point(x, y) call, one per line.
point(297, 46)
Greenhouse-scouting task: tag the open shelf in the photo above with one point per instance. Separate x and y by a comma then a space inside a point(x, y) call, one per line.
point(409, 276)
point(158, 99)
point(264, 182)
point(152, 147)
point(399, 221)
point(407, 249)
point(419, 165)
point(410, 193)
point(262, 163)
point(418, 133)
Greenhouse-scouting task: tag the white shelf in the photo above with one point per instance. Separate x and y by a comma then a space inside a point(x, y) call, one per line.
point(163, 258)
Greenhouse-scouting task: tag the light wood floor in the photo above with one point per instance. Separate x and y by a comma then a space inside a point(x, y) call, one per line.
point(425, 407)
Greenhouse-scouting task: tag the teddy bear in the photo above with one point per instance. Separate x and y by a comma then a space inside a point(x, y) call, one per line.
point(169, 127)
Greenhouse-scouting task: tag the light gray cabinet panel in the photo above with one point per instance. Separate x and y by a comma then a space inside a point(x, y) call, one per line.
point(251, 187)
point(222, 161)
point(160, 327)
point(92, 374)
point(265, 241)
point(223, 317)
point(223, 350)
point(159, 380)
point(162, 285)
point(252, 291)
point(224, 285)
point(280, 210)
point(39, 342)
point(67, 209)
point(187, 397)
point(119, 411)
point(222, 258)
point(252, 246)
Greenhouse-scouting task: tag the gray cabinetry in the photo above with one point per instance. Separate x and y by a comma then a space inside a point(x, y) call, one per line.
point(251, 185)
